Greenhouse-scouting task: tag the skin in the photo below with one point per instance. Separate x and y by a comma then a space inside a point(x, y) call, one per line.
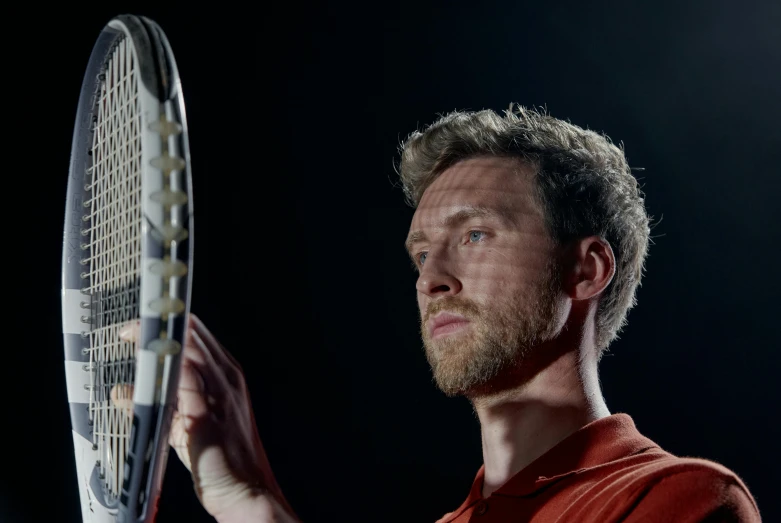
point(525, 356)
point(522, 350)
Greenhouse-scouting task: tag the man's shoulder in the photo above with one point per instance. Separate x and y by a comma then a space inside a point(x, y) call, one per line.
point(664, 464)
point(671, 483)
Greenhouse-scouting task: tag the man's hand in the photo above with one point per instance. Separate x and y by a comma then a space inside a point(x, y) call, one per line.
point(214, 433)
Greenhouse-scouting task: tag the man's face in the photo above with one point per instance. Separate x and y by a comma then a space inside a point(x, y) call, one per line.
point(487, 289)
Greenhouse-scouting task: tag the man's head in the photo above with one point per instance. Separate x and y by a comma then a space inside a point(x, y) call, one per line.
point(510, 212)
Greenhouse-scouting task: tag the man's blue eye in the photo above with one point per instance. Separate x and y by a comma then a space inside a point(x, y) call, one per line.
point(422, 257)
point(476, 236)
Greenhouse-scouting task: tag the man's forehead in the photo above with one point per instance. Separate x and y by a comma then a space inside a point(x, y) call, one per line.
point(471, 206)
point(476, 185)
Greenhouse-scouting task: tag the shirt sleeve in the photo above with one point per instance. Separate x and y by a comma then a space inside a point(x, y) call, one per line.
point(695, 496)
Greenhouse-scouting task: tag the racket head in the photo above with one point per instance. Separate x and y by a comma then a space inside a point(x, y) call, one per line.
point(127, 260)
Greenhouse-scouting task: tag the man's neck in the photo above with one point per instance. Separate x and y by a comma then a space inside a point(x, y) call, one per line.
point(519, 426)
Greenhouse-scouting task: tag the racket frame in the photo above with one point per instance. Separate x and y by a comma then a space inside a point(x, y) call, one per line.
point(166, 247)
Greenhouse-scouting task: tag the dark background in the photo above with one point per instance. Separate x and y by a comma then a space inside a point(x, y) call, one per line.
point(295, 113)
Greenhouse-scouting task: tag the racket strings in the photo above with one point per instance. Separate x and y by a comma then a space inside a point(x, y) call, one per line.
point(114, 260)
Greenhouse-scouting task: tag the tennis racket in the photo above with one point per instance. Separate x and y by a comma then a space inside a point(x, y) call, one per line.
point(126, 263)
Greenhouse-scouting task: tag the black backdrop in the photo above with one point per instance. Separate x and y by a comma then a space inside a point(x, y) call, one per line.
point(295, 113)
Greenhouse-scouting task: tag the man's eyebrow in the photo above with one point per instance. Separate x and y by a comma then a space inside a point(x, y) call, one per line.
point(457, 218)
point(414, 237)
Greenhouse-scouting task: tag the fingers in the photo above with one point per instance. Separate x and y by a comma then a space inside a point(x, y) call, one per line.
point(207, 372)
point(201, 375)
point(122, 398)
point(214, 385)
point(199, 381)
point(208, 350)
point(192, 395)
point(218, 352)
point(179, 439)
point(129, 331)
point(215, 352)
point(202, 383)
point(122, 394)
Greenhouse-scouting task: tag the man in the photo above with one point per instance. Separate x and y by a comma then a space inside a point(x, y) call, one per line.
point(529, 236)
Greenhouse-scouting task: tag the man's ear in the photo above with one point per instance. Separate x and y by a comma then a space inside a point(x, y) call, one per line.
point(590, 267)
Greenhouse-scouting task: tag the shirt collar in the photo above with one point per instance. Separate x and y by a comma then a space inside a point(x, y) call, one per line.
point(599, 442)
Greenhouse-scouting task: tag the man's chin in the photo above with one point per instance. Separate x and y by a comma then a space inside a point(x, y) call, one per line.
point(471, 387)
point(450, 363)
point(452, 386)
point(464, 368)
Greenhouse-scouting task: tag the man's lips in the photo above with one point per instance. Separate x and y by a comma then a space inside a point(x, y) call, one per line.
point(445, 323)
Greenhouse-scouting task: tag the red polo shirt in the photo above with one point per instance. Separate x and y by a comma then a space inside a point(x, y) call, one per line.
point(608, 472)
